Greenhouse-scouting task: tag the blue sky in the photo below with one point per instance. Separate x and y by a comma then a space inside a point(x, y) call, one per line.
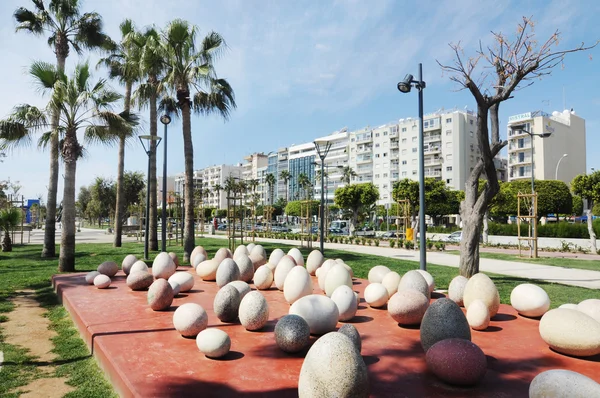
point(303, 69)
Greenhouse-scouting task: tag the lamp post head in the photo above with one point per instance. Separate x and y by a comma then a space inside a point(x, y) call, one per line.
point(146, 141)
point(405, 85)
point(165, 119)
point(565, 155)
point(545, 135)
point(322, 147)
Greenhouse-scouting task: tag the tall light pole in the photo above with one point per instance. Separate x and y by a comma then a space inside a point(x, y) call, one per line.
point(164, 119)
point(404, 87)
point(558, 164)
point(147, 149)
point(522, 128)
point(322, 147)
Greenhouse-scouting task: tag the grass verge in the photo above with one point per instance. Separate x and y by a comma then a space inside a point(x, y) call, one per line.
point(553, 261)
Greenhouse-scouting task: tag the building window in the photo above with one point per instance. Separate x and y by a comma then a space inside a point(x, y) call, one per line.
point(449, 144)
point(448, 132)
point(385, 185)
point(471, 133)
point(376, 175)
point(376, 134)
point(385, 133)
point(414, 150)
point(404, 140)
point(449, 168)
point(414, 161)
point(414, 139)
point(376, 145)
point(404, 129)
point(404, 151)
point(404, 162)
point(385, 175)
point(449, 181)
point(449, 157)
point(414, 172)
point(414, 127)
point(471, 122)
point(404, 174)
point(352, 140)
point(376, 155)
point(449, 120)
point(385, 154)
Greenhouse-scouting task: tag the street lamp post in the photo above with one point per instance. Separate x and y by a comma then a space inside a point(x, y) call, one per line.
point(322, 147)
point(405, 87)
point(147, 149)
point(558, 164)
point(522, 128)
point(164, 119)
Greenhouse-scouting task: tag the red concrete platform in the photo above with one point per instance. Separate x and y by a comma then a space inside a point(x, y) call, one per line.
point(144, 356)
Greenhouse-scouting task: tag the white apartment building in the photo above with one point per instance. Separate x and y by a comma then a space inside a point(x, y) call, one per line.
point(335, 161)
point(567, 137)
point(210, 178)
point(389, 153)
point(159, 189)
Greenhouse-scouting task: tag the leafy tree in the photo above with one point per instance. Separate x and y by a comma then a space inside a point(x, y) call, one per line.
point(82, 105)
point(553, 197)
point(356, 198)
point(191, 75)
point(9, 219)
point(507, 64)
point(83, 200)
point(587, 186)
point(578, 206)
point(122, 63)
point(295, 207)
point(134, 186)
point(103, 197)
point(67, 27)
point(347, 174)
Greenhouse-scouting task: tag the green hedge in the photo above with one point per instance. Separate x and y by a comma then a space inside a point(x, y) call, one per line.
point(551, 230)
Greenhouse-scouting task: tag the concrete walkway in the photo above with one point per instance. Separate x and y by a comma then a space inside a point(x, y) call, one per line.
point(549, 273)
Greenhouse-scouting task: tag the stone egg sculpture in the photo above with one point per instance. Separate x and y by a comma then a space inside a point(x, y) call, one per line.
point(263, 278)
point(297, 284)
point(184, 279)
point(241, 249)
point(414, 280)
point(254, 311)
point(207, 270)
point(257, 260)
point(242, 287)
point(127, 263)
point(163, 266)
point(249, 247)
point(222, 254)
point(314, 261)
point(337, 276)
point(140, 280)
point(89, 277)
point(443, 320)
point(197, 259)
point(259, 250)
point(376, 295)
point(408, 307)
point(377, 273)
point(333, 367)
point(478, 315)
point(345, 299)
point(245, 266)
point(197, 250)
point(428, 278)
point(160, 295)
point(391, 281)
point(292, 333)
point(570, 332)
point(275, 256)
point(102, 281)
point(563, 383)
point(176, 287)
point(457, 361)
point(297, 256)
point(227, 271)
point(283, 268)
point(322, 272)
point(480, 286)
point(320, 312)
point(213, 342)
point(590, 307)
point(530, 300)
point(139, 266)
point(189, 319)
point(175, 259)
point(456, 289)
point(227, 303)
point(108, 268)
point(351, 332)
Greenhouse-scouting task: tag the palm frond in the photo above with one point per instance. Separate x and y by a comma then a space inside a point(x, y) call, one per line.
point(220, 99)
point(29, 21)
point(168, 105)
point(100, 134)
point(106, 98)
point(89, 32)
point(142, 94)
point(18, 128)
point(213, 46)
point(64, 9)
point(44, 74)
point(45, 139)
point(81, 77)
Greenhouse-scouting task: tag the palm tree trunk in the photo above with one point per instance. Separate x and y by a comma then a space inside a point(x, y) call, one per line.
point(153, 239)
point(188, 151)
point(71, 150)
point(49, 249)
point(120, 172)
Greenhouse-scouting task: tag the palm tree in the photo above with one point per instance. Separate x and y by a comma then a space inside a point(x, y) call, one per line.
point(67, 27)
point(217, 189)
point(152, 67)
point(304, 183)
point(81, 106)
point(347, 174)
point(9, 219)
point(270, 180)
point(123, 64)
point(285, 176)
point(191, 68)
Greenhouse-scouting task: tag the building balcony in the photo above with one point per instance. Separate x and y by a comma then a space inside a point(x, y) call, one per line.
point(365, 159)
point(432, 138)
point(364, 150)
point(433, 162)
point(517, 161)
point(432, 149)
point(364, 170)
point(433, 173)
point(517, 148)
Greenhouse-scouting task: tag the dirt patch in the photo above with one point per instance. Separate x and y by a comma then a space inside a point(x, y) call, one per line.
point(47, 388)
point(27, 327)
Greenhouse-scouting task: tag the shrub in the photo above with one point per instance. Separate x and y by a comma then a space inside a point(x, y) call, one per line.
point(440, 246)
point(369, 242)
point(429, 244)
point(409, 245)
point(376, 242)
point(392, 243)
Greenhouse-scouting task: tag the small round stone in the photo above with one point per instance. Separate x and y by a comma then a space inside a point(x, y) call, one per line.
point(391, 281)
point(377, 273)
point(139, 266)
point(352, 333)
point(242, 287)
point(457, 361)
point(263, 278)
point(139, 280)
point(127, 262)
point(213, 342)
point(530, 300)
point(456, 290)
point(227, 303)
point(160, 295)
point(292, 333)
point(228, 271)
point(184, 279)
point(163, 266)
point(190, 319)
point(89, 277)
point(108, 268)
point(102, 281)
point(254, 311)
point(376, 295)
point(478, 315)
point(408, 307)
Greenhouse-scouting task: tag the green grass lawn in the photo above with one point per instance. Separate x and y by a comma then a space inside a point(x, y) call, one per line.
point(24, 269)
point(557, 262)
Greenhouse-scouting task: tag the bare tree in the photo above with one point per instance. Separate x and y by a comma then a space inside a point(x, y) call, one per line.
point(492, 75)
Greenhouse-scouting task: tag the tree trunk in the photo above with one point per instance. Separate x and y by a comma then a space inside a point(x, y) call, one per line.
point(71, 151)
point(485, 227)
point(120, 191)
point(590, 225)
point(49, 249)
point(188, 151)
point(6, 242)
point(120, 170)
point(153, 239)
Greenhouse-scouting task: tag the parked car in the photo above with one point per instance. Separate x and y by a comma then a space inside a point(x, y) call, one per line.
point(336, 231)
point(389, 234)
point(365, 231)
point(456, 237)
point(221, 227)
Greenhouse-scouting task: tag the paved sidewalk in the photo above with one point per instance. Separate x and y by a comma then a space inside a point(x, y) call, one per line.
point(565, 276)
